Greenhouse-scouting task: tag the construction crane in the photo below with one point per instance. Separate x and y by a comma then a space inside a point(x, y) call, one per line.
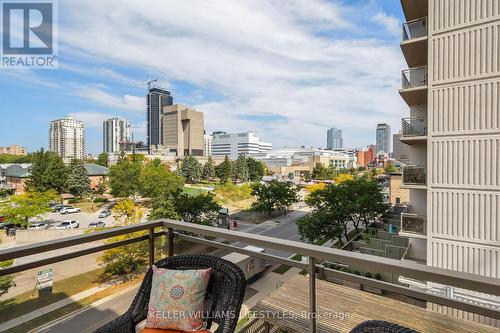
point(148, 82)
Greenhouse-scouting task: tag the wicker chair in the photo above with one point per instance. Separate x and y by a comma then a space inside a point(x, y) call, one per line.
point(224, 293)
point(379, 326)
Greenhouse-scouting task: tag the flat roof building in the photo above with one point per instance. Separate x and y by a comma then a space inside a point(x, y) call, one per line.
point(183, 129)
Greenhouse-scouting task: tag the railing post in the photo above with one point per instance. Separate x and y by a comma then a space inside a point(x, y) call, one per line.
point(312, 295)
point(170, 235)
point(151, 246)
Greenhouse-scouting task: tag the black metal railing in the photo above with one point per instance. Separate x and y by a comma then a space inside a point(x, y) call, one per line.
point(414, 77)
point(415, 29)
point(413, 126)
point(171, 229)
point(414, 175)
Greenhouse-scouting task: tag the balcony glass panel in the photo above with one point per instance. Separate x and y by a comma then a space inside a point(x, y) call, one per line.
point(414, 126)
point(414, 29)
point(414, 175)
point(414, 77)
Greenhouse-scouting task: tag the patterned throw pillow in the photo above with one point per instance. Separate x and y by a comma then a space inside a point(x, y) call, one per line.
point(177, 299)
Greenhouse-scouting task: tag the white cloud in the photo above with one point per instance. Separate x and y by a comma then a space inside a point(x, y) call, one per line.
point(97, 95)
point(389, 22)
point(91, 119)
point(275, 57)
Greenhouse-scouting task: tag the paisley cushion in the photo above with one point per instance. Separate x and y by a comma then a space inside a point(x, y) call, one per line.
point(177, 299)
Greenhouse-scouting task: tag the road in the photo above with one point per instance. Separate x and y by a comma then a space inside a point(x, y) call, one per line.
point(283, 227)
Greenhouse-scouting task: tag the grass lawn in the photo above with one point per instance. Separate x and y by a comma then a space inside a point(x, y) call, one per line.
point(73, 307)
point(88, 207)
point(24, 303)
point(194, 191)
point(281, 269)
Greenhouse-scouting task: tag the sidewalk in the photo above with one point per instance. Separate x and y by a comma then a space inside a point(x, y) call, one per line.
point(49, 308)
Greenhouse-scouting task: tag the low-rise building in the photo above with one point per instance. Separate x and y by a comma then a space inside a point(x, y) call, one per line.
point(397, 195)
point(97, 174)
point(14, 150)
point(365, 155)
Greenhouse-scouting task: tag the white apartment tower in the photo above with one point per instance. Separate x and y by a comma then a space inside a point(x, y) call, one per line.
point(207, 144)
point(114, 131)
point(67, 138)
point(383, 138)
point(452, 88)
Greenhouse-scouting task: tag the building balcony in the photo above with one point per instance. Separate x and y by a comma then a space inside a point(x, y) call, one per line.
point(413, 225)
point(415, 9)
point(414, 177)
point(414, 85)
point(314, 298)
point(414, 42)
point(413, 129)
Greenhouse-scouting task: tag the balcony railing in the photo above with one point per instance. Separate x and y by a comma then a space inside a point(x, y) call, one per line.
point(414, 77)
point(413, 223)
point(414, 126)
point(414, 29)
point(414, 175)
point(174, 229)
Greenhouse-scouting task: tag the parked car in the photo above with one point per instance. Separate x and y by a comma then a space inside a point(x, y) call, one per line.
point(98, 224)
point(105, 213)
point(58, 207)
point(69, 210)
point(39, 226)
point(68, 224)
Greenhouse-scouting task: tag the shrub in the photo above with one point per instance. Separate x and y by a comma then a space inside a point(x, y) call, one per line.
point(378, 276)
point(368, 275)
point(357, 273)
point(100, 199)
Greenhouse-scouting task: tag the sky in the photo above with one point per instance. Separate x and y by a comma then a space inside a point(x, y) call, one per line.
point(288, 69)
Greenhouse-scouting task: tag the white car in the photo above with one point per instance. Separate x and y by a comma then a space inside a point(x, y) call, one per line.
point(68, 224)
point(69, 210)
point(39, 226)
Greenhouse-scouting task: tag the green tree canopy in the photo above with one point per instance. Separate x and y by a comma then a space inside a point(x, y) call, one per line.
point(124, 178)
point(102, 159)
point(390, 168)
point(78, 182)
point(6, 281)
point(256, 169)
point(240, 169)
point(48, 172)
point(224, 170)
point(209, 169)
point(200, 209)
point(320, 172)
point(157, 182)
point(275, 195)
point(337, 207)
point(19, 209)
point(191, 169)
point(8, 158)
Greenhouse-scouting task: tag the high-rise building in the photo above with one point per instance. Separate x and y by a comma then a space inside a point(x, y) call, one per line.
point(115, 131)
point(452, 88)
point(157, 99)
point(383, 138)
point(207, 144)
point(183, 129)
point(67, 138)
point(334, 139)
point(236, 144)
point(401, 151)
point(14, 150)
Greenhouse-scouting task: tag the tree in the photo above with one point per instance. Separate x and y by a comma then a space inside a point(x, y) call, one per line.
point(124, 178)
point(209, 169)
point(320, 172)
point(19, 209)
point(130, 259)
point(102, 159)
point(240, 169)
point(342, 177)
point(275, 195)
point(200, 209)
point(16, 159)
point(224, 170)
point(78, 182)
point(256, 169)
point(390, 168)
point(48, 172)
point(355, 202)
point(191, 169)
point(156, 181)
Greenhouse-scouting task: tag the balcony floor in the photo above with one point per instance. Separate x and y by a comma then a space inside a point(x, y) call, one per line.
point(293, 298)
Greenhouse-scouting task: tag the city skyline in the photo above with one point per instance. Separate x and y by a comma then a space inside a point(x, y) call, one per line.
point(264, 98)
